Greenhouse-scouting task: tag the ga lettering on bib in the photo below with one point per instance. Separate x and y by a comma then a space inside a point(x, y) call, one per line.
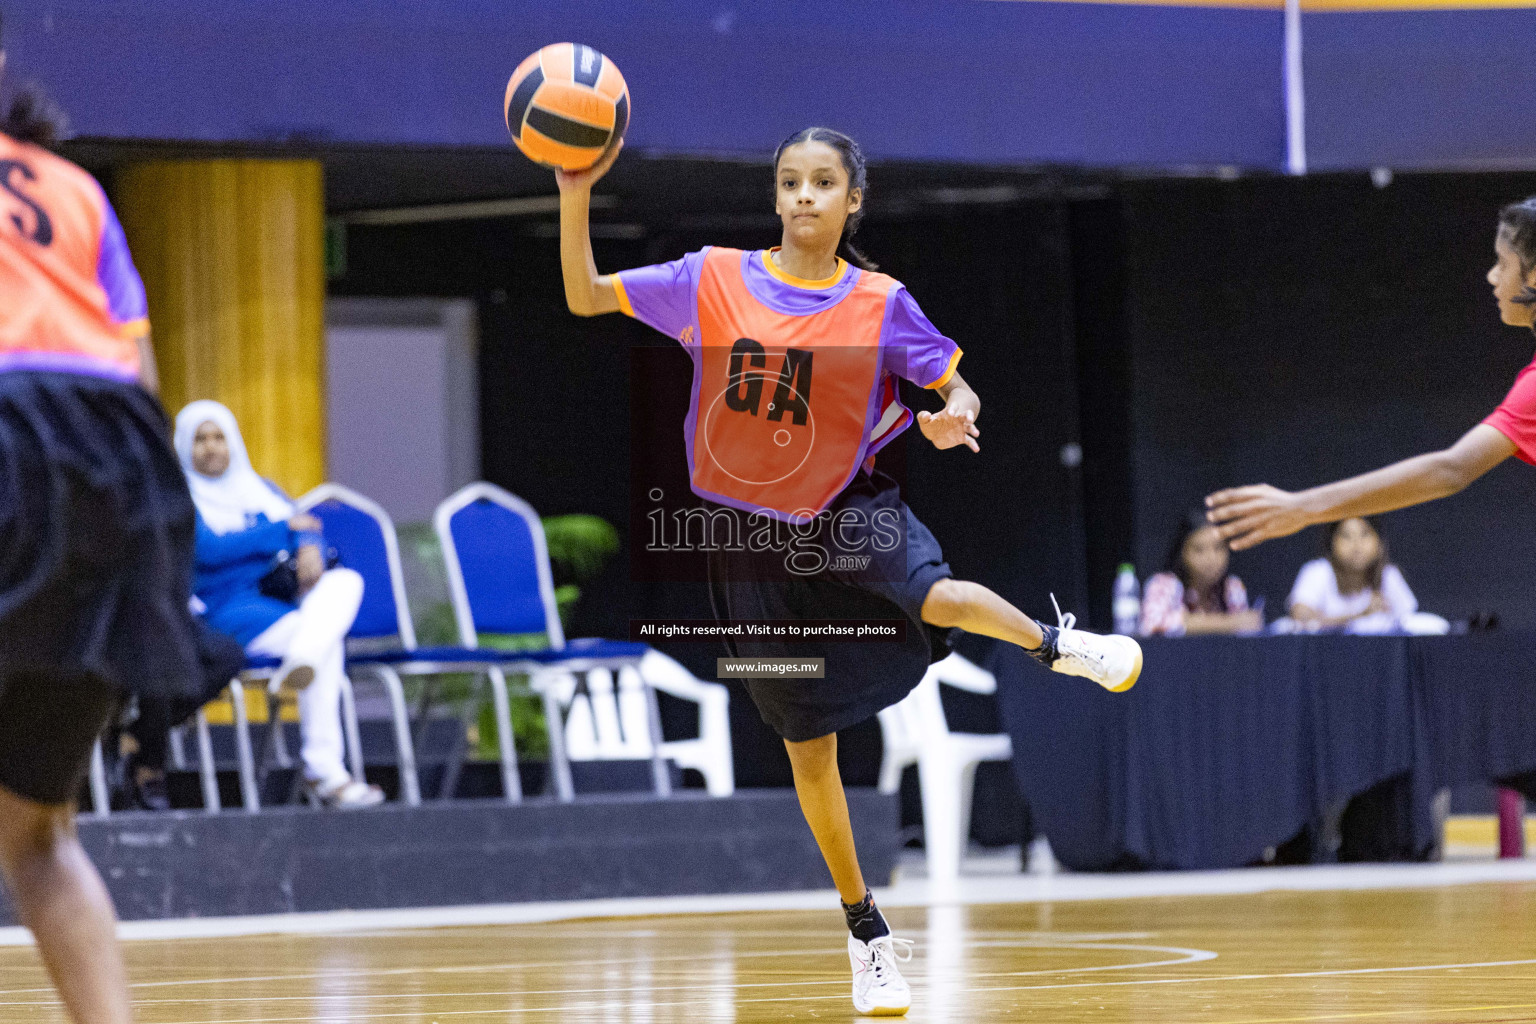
point(784, 403)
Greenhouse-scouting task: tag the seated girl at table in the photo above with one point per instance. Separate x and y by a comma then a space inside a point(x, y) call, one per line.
point(1196, 593)
point(1354, 588)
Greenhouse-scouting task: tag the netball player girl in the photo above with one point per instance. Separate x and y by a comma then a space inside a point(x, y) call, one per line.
point(795, 350)
point(95, 543)
point(1252, 515)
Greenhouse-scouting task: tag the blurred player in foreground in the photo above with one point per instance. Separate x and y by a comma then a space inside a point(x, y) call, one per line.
point(95, 542)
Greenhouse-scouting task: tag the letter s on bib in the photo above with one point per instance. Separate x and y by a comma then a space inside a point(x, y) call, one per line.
point(784, 404)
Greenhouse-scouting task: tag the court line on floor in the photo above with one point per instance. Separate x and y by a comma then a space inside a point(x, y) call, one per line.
point(1198, 980)
point(802, 997)
point(1289, 975)
point(568, 1008)
point(758, 954)
point(968, 891)
point(1417, 1012)
point(1186, 956)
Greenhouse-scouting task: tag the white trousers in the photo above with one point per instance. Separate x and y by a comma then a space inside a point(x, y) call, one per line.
point(315, 635)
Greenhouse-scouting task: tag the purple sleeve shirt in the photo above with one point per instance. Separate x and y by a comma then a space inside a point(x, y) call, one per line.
point(914, 348)
point(115, 270)
point(663, 295)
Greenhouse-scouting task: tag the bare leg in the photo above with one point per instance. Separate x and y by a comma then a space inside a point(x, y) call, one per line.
point(825, 806)
point(975, 609)
point(59, 895)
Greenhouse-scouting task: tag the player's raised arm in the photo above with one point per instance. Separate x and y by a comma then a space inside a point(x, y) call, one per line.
point(1251, 515)
point(587, 292)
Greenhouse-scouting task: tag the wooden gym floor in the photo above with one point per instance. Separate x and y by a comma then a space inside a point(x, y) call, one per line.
point(1440, 956)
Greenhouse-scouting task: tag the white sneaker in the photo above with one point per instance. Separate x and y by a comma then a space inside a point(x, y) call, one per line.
point(1111, 660)
point(345, 794)
point(879, 990)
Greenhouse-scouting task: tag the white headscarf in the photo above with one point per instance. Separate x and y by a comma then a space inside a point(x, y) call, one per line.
point(230, 501)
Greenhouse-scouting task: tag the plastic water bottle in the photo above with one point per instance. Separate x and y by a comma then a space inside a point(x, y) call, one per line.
point(1127, 606)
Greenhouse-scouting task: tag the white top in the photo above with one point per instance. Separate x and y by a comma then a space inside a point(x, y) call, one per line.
point(230, 502)
point(1318, 588)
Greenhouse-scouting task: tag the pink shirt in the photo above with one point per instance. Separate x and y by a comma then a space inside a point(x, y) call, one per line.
point(1515, 418)
point(1163, 606)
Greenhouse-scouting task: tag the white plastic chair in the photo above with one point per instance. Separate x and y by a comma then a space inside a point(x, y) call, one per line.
point(601, 724)
point(915, 731)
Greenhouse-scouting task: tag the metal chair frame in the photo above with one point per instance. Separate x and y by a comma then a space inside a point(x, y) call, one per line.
point(207, 769)
point(388, 678)
point(538, 670)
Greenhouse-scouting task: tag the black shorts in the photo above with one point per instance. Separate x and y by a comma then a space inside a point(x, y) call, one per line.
point(861, 678)
point(96, 528)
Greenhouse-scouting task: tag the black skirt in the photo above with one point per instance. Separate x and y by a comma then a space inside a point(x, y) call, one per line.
point(96, 528)
point(904, 561)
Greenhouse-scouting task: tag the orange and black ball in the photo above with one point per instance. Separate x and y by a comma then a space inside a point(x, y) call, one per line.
point(566, 105)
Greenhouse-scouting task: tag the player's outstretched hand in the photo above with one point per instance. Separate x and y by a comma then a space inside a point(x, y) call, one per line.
point(952, 426)
point(1248, 516)
point(577, 180)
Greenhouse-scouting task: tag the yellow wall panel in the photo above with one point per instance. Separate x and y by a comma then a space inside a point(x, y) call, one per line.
point(232, 255)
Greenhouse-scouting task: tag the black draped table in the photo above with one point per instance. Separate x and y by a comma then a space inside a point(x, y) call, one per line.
point(1228, 746)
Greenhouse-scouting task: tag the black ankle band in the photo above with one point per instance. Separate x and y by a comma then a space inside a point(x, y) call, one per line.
point(865, 920)
point(1045, 654)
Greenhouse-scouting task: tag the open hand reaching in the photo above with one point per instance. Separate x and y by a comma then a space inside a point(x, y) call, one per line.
point(1247, 516)
point(953, 425)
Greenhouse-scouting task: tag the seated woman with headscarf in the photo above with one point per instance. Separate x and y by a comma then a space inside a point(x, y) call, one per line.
point(244, 525)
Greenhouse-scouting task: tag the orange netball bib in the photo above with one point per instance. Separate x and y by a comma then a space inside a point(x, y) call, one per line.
point(784, 404)
point(70, 298)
